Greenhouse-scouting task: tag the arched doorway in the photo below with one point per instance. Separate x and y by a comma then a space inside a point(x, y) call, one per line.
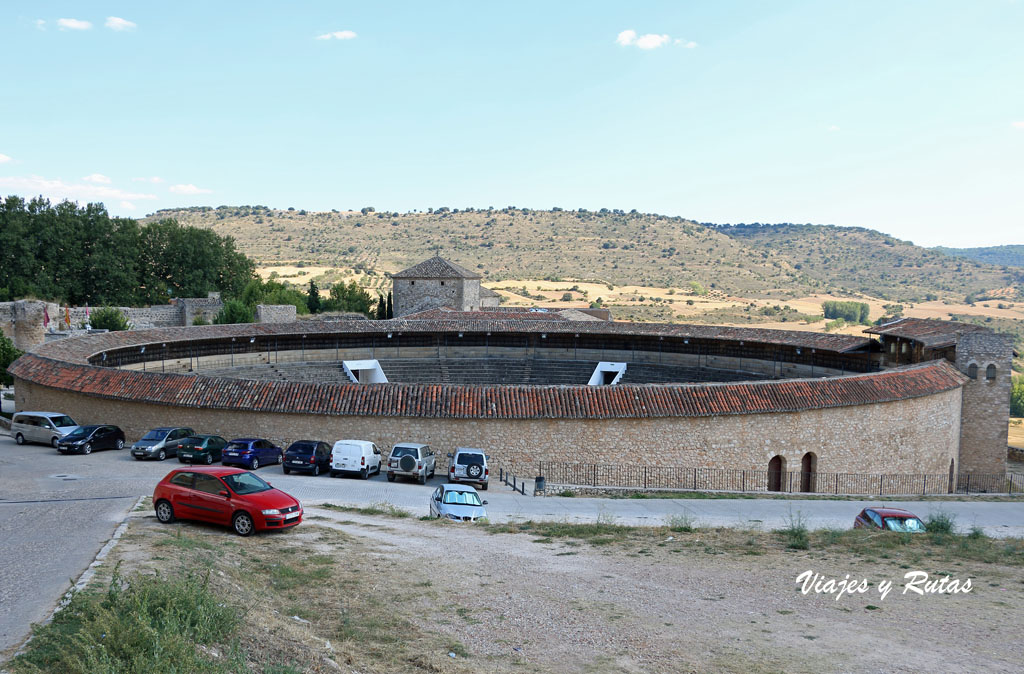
point(808, 467)
point(776, 469)
point(952, 476)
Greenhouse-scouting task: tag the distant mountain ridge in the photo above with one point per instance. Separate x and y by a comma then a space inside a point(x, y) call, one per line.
point(610, 246)
point(1012, 255)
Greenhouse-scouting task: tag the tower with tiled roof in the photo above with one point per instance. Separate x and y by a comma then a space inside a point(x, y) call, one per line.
point(435, 283)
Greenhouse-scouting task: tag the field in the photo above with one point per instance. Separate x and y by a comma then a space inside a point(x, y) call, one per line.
point(391, 593)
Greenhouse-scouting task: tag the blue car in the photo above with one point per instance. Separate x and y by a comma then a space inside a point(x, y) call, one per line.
point(251, 453)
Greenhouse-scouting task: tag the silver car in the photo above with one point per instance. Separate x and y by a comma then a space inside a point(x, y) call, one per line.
point(159, 443)
point(458, 502)
point(469, 465)
point(410, 459)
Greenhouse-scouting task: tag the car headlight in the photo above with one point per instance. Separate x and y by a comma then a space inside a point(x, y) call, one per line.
point(453, 517)
point(271, 511)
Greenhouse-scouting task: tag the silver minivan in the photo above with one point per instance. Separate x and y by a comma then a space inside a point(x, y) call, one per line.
point(43, 427)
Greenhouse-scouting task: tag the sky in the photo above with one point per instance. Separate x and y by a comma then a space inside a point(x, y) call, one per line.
point(905, 116)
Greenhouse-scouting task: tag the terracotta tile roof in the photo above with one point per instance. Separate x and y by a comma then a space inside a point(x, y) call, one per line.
point(928, 332)
point(436, 267)
point(478, 402)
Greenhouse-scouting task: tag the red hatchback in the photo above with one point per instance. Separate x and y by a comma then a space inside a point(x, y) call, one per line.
point(228, 496)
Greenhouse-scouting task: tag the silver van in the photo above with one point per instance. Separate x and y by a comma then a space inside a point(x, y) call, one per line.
point(43, 427)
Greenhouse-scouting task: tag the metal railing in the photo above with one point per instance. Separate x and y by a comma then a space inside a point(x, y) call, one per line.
point(510, 479)
point(635, 476)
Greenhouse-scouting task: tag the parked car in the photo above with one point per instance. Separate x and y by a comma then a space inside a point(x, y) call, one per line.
point(355, 456)
point(889, 519)
point(227, 496)
point(43, 427)
point(458, 502)
point(469, 465)
point(84, 439)
point(251, 453)
point(307, 456)
point(200, 449)
point(410, 459)
point(159, 443)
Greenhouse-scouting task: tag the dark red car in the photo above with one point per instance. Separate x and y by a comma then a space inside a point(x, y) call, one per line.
point(889, 519)
point(229, 496)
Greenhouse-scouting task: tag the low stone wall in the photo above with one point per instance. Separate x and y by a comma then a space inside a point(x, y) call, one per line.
point(275, 313)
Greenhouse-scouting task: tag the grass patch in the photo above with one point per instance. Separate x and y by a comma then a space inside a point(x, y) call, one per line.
point(596, 533)
point(382, 508)
point(140, 624)
point(682, 523)
point(795, 533)
point(940, 523)
point(183, 541)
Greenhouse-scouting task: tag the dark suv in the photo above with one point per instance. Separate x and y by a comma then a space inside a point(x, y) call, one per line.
point(307, 456)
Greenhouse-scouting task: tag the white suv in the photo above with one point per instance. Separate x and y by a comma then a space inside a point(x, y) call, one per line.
point(412, 460)
point(468, 465)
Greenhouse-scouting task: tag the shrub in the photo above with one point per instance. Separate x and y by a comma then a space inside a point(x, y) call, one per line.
point(852, 312)
point(8, 354)
point(234, 311)
point(940, 523)
point(1017, 397)
point(109, 318)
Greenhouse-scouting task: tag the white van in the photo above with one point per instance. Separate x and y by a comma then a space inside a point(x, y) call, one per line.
point(44, 427)
point(355, 456)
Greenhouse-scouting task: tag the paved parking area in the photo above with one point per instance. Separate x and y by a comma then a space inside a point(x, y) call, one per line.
point(57, 511)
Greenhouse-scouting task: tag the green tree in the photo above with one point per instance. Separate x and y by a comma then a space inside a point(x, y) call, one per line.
point(382, 309)
point(109, 318)
point(313, 298)
point(350, 297)
point(8, 354)
point(391, 306)
point(234, 311)
point(1017, 397)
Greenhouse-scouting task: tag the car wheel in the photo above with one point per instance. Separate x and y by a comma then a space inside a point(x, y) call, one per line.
point(209, 459)
point(161, 456)
point(20, 439)
point(255, 464)
point(423, 478)
point(474, 470)
point(87, 448)
point(164, 511)
point(53, 442)
point(316, 469)
point(287, 470)
point(364, 474)
point(391, 477)
point(242, 522)
point(334, 473)
point(120, 443)
point(483, 487)
point(280, 458)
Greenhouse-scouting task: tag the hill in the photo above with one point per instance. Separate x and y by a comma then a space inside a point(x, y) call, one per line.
point(1012, 256)
point(612, 247)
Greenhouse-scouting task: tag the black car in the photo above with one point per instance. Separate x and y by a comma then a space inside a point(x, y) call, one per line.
point(200, 449)
point(84, 439)
point(307, 456)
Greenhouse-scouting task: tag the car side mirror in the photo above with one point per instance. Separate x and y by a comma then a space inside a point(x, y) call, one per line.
point(483, 502)
point(224, 493)
point(437, 498)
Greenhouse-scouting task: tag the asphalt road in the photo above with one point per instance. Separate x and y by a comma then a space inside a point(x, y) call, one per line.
point(56, 512)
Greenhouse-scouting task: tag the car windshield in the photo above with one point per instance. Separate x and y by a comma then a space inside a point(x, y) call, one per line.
point(399, 452)
point(907, 524)
point(80, 432)
point(469, 498)
point(62, 422)
point(156, 434)
point(467, 459)
point(238, 445)
point(246, 483)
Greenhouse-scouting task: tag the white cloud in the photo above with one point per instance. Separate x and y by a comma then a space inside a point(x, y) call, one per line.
point(4, 159)
point(686, 44)
point(73, 24)
point(58, 190)
point(119, 24)
point(127, 205)
point(626, 38)
point(629, 38)
point(1019, 125)
point(151, 179)
point(41, 24)
point(188, 189)
point(338, 35)
point(97, 178)
point(833, 128)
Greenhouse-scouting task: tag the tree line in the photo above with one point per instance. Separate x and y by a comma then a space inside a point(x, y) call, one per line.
point(80, 255)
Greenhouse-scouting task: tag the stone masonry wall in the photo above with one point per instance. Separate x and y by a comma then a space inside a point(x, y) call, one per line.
point(414, 295)
point(275, 313)
point(986, 402)
point(918, 435)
